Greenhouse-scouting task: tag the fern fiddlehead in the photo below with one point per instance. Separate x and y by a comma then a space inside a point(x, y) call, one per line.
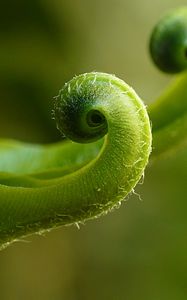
point(168, 114)
point(47, 186)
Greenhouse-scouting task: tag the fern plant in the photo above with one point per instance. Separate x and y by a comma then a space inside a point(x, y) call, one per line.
point(108, 147)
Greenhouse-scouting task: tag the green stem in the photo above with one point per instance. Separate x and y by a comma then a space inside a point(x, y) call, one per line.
point(169, 117)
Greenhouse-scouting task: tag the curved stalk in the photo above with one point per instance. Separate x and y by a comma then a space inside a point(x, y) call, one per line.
point(169, 118)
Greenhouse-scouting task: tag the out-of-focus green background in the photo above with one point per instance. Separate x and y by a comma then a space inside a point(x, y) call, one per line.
point(140, 250)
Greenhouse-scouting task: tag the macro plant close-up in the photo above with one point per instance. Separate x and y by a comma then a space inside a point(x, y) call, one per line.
point(97, 149)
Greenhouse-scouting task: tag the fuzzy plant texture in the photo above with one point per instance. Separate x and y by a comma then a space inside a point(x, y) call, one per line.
point(108, 146)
